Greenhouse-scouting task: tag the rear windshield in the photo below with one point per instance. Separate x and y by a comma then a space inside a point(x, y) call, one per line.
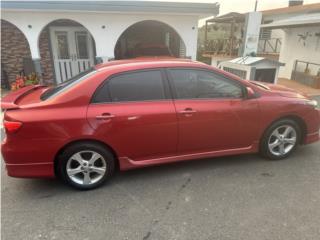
point(62, 87)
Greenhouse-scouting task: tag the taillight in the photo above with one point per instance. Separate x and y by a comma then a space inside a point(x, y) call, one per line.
point(12, 127)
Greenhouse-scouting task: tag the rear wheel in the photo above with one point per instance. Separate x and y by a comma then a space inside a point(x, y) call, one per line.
point(280, 139)
point(86, 165)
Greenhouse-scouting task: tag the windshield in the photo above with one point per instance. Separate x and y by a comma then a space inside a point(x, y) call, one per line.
point(62, 87)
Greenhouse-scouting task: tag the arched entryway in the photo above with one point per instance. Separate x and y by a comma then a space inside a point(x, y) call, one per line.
point(15, 53)
point(66, 49)
point(152, 35)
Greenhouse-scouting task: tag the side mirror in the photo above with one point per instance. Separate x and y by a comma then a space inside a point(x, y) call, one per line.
point(250, 93)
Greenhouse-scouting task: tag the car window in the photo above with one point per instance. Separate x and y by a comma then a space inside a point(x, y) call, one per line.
point(134, 86)
point(62, 87)
point(191, 83)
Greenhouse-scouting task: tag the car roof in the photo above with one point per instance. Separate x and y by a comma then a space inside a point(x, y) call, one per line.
point(148, 62)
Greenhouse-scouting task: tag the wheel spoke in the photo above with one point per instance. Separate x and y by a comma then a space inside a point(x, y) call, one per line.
point(94, 157)
point(287, 131)
point(290, 140)
point(282, 149)
point(276, 133)
point(86, 179)
point(77, 157)
point(99, 170)
point(74, 171)
point(276, 143)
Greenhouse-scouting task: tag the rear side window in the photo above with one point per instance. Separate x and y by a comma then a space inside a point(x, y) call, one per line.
point(192, 83)
point(134, 86)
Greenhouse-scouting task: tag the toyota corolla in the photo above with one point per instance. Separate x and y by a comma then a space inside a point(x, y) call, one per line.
point(137, 113)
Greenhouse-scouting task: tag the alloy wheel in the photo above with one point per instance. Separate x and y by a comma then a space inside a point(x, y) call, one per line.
point(282, 140)
point(86, 167)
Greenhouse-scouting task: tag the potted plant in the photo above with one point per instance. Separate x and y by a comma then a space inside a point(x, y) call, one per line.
point(22, 81)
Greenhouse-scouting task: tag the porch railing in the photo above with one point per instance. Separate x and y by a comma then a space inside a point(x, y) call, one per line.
point(223, 46)
point(269, 46)
point(307, 73)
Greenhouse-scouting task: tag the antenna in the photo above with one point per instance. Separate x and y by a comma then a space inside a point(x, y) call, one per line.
point(256, 6)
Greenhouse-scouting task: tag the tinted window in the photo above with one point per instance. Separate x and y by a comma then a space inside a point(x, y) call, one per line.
point(135, 86)
point(64, 86)
point(190, 83)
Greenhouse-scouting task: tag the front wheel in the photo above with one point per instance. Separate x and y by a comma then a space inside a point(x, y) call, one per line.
point(280, 139)
point(86, 165)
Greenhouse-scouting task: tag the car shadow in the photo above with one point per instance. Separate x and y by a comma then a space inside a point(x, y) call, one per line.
point(45, 188)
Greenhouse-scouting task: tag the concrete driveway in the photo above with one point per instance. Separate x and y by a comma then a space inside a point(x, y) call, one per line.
point(241, 197)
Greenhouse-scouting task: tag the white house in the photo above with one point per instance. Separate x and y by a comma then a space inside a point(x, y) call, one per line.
point(298, 29)
point(64, 38)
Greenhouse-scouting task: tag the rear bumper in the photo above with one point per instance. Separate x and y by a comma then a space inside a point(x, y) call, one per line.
point(31, 170)
point(28, 159)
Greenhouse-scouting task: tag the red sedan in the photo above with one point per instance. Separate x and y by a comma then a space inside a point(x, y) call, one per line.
point(137, 113)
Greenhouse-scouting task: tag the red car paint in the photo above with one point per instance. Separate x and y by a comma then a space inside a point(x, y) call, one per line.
point(144, 133)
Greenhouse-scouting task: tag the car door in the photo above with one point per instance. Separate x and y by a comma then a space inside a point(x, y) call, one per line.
point(212, 112)
point(134, 113)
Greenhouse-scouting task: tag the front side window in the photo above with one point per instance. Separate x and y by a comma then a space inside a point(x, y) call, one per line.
point(134, 86)
point(192, 84)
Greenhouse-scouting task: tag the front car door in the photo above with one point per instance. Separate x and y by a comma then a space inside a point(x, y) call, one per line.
point(134, 113)
point(212, 112)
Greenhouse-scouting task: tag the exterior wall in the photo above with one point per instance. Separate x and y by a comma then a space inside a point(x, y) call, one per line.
point(14, 47)
point(105, 27)
point(252, 33)
point(294, 48)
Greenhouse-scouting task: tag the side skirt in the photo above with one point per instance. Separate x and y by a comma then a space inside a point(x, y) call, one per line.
point(127, 163)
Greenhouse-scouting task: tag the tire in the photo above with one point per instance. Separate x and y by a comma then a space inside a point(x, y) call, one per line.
point(280, 140)
point(86, 165)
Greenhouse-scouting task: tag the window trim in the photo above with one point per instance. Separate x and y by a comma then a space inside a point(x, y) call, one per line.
point(167, 92)
point(174, 91)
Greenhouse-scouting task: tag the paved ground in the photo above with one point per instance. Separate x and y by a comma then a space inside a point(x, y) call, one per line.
point(241, 197)
point(299, 87)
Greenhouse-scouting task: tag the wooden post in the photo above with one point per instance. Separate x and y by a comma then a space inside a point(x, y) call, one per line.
point(231, 37)
point(206, 38)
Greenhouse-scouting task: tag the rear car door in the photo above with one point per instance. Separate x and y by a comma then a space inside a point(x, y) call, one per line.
point(135, 114)
point(212, 112)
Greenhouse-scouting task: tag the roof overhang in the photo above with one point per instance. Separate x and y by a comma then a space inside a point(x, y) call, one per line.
point(300, 9)
point(250, 61)
point(295, 22)
point(228, 18)
point(185, 8)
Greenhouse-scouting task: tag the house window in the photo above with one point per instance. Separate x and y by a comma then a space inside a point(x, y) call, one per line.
point(265, 34)
point(82, 45)
point(63, 45)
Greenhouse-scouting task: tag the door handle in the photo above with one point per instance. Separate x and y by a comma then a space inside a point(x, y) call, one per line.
point(105, 116)
point(188, 111)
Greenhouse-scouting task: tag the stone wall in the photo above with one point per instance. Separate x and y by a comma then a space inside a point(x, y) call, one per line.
point(46, 60)
point(14, 48)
